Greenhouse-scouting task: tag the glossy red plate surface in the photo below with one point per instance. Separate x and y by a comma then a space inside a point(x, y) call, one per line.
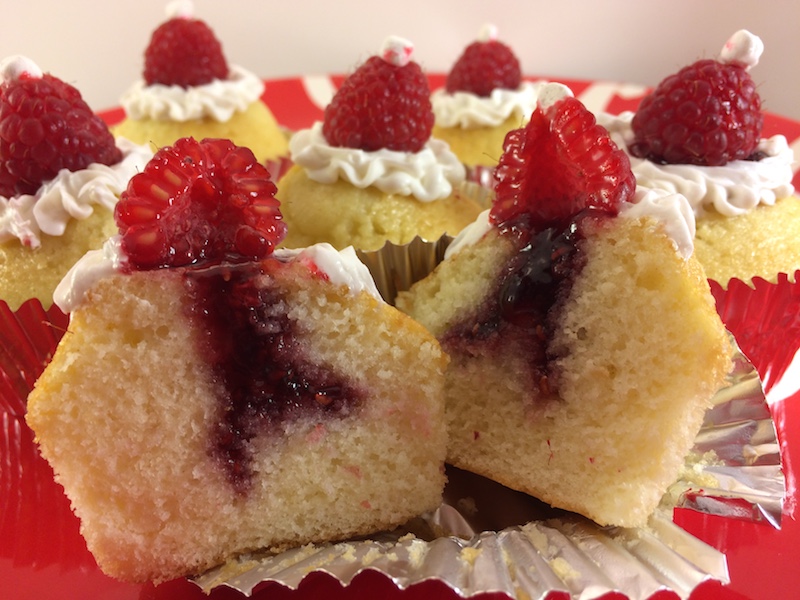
point(42, 554)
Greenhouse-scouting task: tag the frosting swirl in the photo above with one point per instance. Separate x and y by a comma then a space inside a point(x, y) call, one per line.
point(427, 175)
point(731, 189)
point(470, 111)
point(69, 195)
point(217, 100)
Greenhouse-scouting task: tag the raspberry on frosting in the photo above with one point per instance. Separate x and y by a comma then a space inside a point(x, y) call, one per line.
point(559, 164)
point(45, 126)
point(199, 202)
point(384, 104)
point(485, 65)
point(184, 51)
point(709, 113)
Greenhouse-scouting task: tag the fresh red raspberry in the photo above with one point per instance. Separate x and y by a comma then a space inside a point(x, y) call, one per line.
point(708, 113)
point(45, 126)
point(559, 164)
point(483, 67)
point(197, 202)
point(381, 105)
point(184, 52)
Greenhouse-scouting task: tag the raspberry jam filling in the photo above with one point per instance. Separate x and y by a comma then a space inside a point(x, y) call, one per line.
point(262, 377)
point(522, 310)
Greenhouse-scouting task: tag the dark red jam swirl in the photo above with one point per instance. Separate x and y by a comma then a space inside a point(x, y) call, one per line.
point(522, 311)
point(261, 376)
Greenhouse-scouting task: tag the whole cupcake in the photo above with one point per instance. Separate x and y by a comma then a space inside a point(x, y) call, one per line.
point(483, 99)
point(370, 173)
point(700, 133)
point(188, 89)
point(61, 173)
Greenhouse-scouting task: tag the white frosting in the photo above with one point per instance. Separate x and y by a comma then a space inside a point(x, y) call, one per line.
point(470, 234)
point(428, 175)
point(90, 268)
point(742, 47)
point(487, 32)
point(341, 267)
point(182, 9)
point(69, 195)
point(470, 111)
point(217, 100)
point(397, 51)
point(12, 67)
point(553, 92)
point(731, 189)
point(671, 210)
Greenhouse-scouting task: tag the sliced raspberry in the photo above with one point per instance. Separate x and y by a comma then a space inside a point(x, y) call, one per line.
point(45, 126)
point(708, 113)
point(184, 52)
point(382, 105)
point(484, 66)
point(559, 164)
point(197, 202)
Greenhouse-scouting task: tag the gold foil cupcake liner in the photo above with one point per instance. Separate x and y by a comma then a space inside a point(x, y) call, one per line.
point(488, 538)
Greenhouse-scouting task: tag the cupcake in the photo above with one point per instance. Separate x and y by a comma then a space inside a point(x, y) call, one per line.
point(583, 341)
point(370, 173)
point(61, 173)
point(699, 133)
point(188, 89)
point(483, 99)
point(262, 399)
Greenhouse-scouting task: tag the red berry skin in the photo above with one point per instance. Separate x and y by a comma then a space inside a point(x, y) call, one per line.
point(381, 106)
point(559, 164)
point(184, 52)
point(484, 67)
point(709, 113)
point(45, 126)
point(199, 202)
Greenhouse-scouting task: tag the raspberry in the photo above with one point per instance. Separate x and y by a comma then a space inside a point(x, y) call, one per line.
point(198, 202)
point(382, 104)
point(45, 126)
point(184, 52)
point(709, 113)
point(559, 164)
point(484, 66)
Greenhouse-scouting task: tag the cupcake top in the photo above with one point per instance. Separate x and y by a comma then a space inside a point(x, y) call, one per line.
point(545, 179)
point(52, 169)
point(186, 76)
point(399, 157)
point(720, 161)
point(484, 87)
point(201, 204)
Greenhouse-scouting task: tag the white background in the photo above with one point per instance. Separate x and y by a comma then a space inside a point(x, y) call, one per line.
point(98, 45)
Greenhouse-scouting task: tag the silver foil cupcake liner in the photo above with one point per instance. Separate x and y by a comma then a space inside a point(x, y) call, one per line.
point(488, 538)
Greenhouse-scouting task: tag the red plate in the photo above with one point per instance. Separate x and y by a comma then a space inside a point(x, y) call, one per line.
point(42, 554)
